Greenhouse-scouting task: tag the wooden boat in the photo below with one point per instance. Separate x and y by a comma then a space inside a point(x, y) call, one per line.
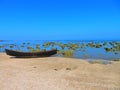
point(31, 54)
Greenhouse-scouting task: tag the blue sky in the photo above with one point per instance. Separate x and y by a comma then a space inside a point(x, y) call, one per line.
point(60, 19)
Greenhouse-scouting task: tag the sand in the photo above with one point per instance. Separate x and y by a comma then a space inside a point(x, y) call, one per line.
point(54, 73)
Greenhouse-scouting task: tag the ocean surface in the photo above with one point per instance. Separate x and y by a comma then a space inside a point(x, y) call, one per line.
point(88, 50)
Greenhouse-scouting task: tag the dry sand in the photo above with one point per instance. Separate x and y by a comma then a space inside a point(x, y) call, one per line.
point(53, 73)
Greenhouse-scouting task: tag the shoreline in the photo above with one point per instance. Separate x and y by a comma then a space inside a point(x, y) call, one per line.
point(57, 73)
point(84, 59)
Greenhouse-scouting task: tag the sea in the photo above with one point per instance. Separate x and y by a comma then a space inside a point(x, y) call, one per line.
point(84, 51)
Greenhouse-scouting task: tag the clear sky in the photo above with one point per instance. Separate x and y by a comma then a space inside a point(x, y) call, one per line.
point(59, 19)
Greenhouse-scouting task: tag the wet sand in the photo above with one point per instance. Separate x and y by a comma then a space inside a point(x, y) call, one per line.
point(54, 73)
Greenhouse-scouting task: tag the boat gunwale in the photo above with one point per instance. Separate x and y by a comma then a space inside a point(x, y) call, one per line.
point(30, 52)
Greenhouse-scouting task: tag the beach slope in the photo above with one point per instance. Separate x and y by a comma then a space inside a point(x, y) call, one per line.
point(54, 73)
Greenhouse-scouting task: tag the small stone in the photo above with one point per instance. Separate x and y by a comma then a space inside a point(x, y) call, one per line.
point(34, 67)
point(55, 69)
point(68, 68)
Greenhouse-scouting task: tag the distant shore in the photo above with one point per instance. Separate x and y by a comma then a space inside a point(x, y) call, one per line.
point(55, 73)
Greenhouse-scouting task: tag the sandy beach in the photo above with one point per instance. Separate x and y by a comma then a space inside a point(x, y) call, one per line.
point(55, 73)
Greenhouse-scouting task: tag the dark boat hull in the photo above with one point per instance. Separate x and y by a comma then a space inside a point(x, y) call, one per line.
point(31, 54)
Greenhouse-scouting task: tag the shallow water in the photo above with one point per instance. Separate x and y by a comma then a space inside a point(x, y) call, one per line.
point(82, 52)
